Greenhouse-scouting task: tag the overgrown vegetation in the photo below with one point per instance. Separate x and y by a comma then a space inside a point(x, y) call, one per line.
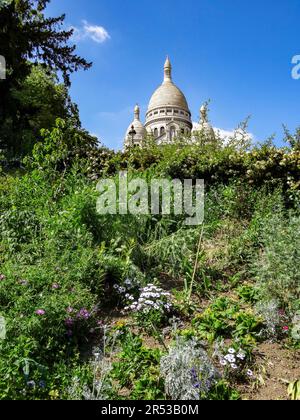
point(133, 307)
point(63, 266)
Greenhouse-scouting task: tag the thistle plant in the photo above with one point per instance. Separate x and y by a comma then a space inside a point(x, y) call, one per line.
point(102, 388)
point(296, 327)
point(276, 320)
point(188, 372)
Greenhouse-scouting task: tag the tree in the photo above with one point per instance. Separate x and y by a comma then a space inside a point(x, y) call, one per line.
point(29, 38)
point(40, 100)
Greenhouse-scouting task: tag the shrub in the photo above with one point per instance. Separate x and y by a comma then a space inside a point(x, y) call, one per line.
point(277, 268)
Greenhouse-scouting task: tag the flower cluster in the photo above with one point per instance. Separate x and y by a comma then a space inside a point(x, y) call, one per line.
point(235, 361)
point(83, 314)
point(151, 298)
point(128, 290)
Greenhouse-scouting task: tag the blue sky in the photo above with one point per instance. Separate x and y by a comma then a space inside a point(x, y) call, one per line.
point(236, 53)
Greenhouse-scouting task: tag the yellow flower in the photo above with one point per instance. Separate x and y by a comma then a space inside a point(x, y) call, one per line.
point(54, 394)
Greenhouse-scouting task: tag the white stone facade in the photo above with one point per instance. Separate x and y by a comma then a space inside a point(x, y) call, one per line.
point(168, 115)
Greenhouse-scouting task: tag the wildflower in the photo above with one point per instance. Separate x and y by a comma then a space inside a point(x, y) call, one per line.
point(249, 373)
point(42, 384)
point(83, 314)
point(31, 384)
point(285, 329)
point(241, 356)
point(231, 351)
point(69, 322)
point(223, 362)
point(128, 282)
point(70, 310)
point(55, 286)
point(40, 312)
point(2, 277)
point(234, 366)
point(230, 358)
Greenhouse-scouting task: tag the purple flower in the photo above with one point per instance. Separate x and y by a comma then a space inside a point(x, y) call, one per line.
point(40, 312)
point(42, 384)
point(55, 286)
point(70, 310)
point(69, 322)
point(83, 314)
point(2, 277)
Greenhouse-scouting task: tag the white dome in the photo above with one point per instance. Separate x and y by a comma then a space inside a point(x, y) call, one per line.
point(138, 128)
point(136, 131)
point(168, 94)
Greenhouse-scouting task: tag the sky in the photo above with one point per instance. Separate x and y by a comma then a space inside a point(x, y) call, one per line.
point(237, 54)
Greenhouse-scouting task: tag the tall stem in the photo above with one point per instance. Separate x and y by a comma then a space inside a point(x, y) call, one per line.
point(196, 264)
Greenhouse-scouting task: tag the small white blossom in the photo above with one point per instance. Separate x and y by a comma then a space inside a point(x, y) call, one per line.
point(241, 356)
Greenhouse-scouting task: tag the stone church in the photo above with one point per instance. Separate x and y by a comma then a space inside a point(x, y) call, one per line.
point(168, 116)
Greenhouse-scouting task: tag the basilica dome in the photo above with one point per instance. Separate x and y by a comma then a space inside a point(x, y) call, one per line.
point(168, 94)
point(168, 114)
point(168, 117)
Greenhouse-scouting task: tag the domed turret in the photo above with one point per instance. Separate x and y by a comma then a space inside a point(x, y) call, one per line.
point(136, 132)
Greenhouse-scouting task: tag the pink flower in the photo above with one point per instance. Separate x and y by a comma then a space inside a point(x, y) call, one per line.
point(40, 312)
point(2, 277)
point(285, 329)
point(55, 286)
point(70, 310)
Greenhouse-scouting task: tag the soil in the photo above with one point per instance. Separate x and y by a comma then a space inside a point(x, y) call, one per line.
point(280, 366)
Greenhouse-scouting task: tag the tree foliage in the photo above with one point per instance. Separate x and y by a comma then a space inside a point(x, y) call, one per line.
point(27, 38)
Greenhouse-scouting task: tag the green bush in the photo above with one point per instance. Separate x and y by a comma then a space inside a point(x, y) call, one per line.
point(277, 267)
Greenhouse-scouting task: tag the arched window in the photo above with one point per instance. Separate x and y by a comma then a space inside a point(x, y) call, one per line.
point(156, 132)
point(173, 132)
point(162, 131)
